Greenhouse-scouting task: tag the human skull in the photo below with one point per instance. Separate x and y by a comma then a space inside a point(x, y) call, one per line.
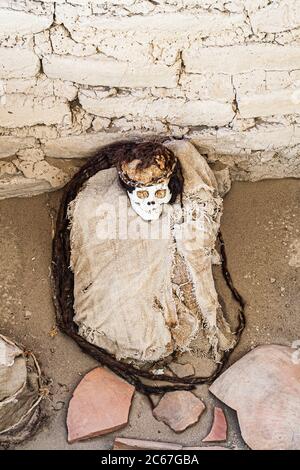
point(147, 201)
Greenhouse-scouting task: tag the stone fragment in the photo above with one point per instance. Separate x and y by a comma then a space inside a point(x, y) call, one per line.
point(182, 370)
point(230, 142)
point(10, 145)
point(21, 110)
point(99, 70)
point(100, 405)
point(78, 146)
point(206, 448)
point(178, 112)
point(42, 170)
point(138, 444)
point(7, 168)
point(218, 432)
point(121, 443)
point(207, 87)
point(268, 104)
point(238, 58)
point(264, 388)
point(27, 315)
point(63, 44)
point(179, 410)
point(18, 63)
point(285, 17)
point(21, 23)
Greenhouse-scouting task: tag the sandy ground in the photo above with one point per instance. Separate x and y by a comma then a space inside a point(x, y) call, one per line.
point(261, 230)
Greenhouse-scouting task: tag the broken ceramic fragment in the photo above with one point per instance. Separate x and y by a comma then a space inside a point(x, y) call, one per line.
point(182, 370)
point(206, 448)
point(218, 432)
point(138, 444)
point(100, 405)
point(179, 410)
point(264, 388)
point(121, 443)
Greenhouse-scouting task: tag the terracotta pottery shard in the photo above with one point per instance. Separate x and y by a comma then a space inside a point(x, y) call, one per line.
point(206, 448)
point(264, 388)
point(138, 444)
point(182, 370)
point(121, 443)
point(100, 405)
point(218, 430)
point(179, 410)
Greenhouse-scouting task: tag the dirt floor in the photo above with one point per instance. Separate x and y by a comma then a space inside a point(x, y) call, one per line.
point(260, 226)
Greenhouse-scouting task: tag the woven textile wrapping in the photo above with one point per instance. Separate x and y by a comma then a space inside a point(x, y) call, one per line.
point(143, 290)
point(19, 393)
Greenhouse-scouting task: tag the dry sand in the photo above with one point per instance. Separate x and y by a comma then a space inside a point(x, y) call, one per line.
point(261, 230)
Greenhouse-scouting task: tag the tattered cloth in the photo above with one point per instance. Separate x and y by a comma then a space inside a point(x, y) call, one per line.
point(144, 290)
point(19, 393)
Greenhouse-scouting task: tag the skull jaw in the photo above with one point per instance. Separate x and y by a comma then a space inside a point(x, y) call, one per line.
point(151, 214)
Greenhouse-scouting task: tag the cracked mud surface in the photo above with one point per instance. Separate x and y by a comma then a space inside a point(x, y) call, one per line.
point(261, 230)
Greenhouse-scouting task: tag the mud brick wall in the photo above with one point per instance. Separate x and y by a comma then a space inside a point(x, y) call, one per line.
point(77, 74)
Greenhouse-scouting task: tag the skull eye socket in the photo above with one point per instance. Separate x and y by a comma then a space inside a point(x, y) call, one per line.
point(160, 193)
point(142, 194)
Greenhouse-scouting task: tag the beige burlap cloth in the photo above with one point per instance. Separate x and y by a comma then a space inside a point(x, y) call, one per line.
point(145, 289)
point(19, 392)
